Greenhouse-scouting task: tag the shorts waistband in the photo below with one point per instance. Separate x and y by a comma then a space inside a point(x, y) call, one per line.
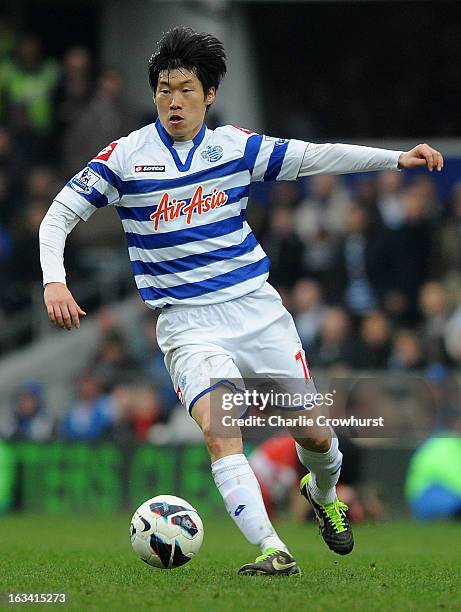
point(174, 308)
point(183, 307)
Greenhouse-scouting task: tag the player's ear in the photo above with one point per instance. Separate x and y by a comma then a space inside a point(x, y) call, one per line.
point(211, 96)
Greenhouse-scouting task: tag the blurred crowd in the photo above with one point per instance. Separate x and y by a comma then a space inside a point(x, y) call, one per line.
point(371, 273)
point(54, 115)
point(369, 268)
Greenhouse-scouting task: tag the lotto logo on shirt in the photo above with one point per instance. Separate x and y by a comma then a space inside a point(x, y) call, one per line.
point(168, 210)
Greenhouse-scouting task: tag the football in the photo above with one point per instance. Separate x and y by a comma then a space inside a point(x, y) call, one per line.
point(166, 531)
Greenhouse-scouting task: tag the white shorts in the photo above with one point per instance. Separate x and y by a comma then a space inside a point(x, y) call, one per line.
point(251, 337)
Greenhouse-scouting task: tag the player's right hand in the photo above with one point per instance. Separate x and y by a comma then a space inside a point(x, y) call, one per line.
point(62, 309)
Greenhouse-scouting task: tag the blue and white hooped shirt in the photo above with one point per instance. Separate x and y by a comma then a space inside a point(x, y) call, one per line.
point(184, 221)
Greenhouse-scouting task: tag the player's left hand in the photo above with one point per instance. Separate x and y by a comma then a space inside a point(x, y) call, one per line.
point(421, 155)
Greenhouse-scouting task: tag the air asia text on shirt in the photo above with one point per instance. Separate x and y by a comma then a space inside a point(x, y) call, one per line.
point(168, 211)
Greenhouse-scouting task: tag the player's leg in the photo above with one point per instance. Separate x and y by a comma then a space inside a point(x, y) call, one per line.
point(275, 352)
point(241, 493)
point(319, 488)
point(318, 450)
point(194, 342)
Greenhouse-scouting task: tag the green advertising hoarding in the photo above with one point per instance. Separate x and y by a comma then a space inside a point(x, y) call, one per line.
point(60, 477)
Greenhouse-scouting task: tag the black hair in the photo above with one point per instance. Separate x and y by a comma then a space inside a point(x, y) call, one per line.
point(182, 47)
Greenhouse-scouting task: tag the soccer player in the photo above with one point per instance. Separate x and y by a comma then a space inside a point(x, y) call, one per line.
point(181, 191)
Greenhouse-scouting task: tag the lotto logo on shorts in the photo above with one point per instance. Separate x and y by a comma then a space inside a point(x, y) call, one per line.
point(179, 394)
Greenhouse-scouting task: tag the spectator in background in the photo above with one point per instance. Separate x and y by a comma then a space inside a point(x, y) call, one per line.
point(408, 252)
point(284, 194)
point(452, 337)
point(126, 361)
point(10, 183)
point(41, 183)
point(308, 308)
point(91, 415)
point(319, 221)
point(365, 193)
point(73, 91)
point(407, 352)
point(177, 430)
point(146, 412)
point(426, 189)
point(112, 361)
point(122, 427)
point(27, 81)
point(445, 397)
point(31, 147)
point(283, 248)
point(447, 255)
point(389, 202)
point(7, 39)
point(359, 266)
point(22, 275)
point(435, 308)
point(5, 259)
point(138, 411)
point(333, 345)
point(373, 347)
point(325, 208)
point(25, 255)
point(104, 119)
point(29, 420)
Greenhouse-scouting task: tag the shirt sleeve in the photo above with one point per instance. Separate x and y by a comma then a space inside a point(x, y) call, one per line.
point(99, 184)
point(274, 159)
point(58, 222)
point(279, 159)
point(345, 158)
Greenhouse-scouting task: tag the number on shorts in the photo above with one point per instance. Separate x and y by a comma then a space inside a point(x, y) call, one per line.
point(307, 373)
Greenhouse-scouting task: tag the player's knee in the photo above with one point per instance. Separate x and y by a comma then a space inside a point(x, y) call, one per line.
point(317, 445)
point(218, 444)
point(219, 447)
point(205, 426)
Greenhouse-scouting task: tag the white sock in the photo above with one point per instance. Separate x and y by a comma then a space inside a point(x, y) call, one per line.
point(243, 500)
point(325, 469)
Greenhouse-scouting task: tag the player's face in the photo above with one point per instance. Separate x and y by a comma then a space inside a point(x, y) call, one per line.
point(181, 103)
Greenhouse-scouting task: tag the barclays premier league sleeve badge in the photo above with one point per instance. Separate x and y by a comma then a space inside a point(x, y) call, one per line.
point(84, 181)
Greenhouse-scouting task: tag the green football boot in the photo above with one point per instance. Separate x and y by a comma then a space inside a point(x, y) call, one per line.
point(332, 519)
point(274, 562)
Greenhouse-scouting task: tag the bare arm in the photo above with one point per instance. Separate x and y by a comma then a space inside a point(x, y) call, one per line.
point(62, 309)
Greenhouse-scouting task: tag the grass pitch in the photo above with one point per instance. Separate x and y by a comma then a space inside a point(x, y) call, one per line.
point(396, 566)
